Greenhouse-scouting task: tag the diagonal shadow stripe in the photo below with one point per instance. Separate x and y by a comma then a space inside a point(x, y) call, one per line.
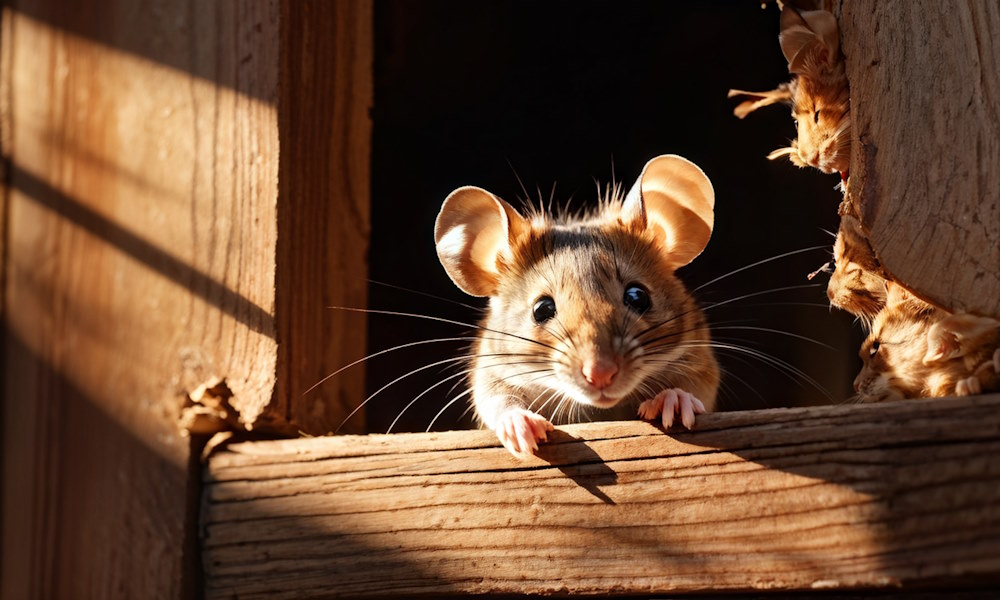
point(198, 283)
point(227, 43)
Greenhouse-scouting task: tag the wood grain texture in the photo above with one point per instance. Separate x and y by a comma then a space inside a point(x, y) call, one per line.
point(140, 259)
point(323, 209)
point(826, 498)
point(925, 164)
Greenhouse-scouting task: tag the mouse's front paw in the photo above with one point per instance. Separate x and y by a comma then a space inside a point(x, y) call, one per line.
point(669, 403)
point(520, 430)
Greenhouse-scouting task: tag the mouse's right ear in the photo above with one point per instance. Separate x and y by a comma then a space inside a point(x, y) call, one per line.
point(955, 335)
point(809, 40)
point(474, 230)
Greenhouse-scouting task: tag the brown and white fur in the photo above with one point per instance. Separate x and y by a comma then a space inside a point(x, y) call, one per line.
point(857, 284)
point(819, 94)
point(593, 352)
point(916, 350)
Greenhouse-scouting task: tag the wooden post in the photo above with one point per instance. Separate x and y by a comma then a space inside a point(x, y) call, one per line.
point(323, 209)
point(925, 164)
point(902, 495)
point(161, 238)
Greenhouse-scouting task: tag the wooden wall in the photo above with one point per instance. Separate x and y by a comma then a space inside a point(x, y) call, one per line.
point(161, 233)
point(925, 164)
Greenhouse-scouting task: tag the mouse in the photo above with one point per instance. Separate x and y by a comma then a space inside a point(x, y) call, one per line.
point(858, 283)
point(819, 93)
point(918, 350)
point(586, 318)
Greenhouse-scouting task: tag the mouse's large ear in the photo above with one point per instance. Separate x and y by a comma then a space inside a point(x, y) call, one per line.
point(473, 230)
point(809, 40)
point(675, 199)
point(956, 334)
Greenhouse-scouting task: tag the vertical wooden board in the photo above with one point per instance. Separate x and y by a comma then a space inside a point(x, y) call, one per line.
point(139, 263)
point(323, 208)
point(925, 169)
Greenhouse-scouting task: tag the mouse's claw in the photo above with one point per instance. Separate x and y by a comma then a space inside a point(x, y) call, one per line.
point(669, 403)
point(520, 430)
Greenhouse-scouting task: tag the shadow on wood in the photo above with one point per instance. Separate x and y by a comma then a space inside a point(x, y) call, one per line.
point(825, 498)
point(66, 533)
point(588, 469)
point(138, 248)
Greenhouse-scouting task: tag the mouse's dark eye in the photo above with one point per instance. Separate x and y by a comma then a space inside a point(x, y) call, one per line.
point(544, 309)
point(875, 346)
point(637, 298)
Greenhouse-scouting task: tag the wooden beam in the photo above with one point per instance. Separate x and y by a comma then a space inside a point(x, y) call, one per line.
point(904, 494)
point(323, 210)
point(139, 263)
point(187, 191)
point(925, 165)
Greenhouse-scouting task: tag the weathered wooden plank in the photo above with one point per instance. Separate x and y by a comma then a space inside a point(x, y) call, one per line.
point(848, 497)
point(143, 143)
point(925, 164)
point(323, 209)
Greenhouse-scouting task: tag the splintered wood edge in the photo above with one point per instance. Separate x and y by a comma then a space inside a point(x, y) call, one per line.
point(898, 495)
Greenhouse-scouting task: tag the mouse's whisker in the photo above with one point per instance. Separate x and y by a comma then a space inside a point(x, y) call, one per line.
point(569, 338)
point(774, 331)
point(386, 351)
point(823, 305)
point(447, 405)
point(551, 396)
point(477, 309)
point(647, 345)
point(458, 376)
point(446, 361)
point(727, 374)
point(394, 313)
point(761, 293)
point(659, 324)
point(757, 264)
point(784, 367)
point(469, 391)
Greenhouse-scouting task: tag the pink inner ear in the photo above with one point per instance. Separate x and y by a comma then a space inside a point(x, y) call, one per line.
point(941, 345)
point(824, 56)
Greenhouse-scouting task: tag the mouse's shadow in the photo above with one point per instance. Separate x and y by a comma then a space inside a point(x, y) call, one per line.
point(579, 462)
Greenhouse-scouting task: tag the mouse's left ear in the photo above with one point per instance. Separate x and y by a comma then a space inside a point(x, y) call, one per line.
point(675, 199)
point(810, 40)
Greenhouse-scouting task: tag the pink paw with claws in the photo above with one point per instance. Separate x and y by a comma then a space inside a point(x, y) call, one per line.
point(670, 403)
point(520, 431)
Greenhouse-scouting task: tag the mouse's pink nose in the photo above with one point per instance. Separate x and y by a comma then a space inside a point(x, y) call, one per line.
point(599, 373)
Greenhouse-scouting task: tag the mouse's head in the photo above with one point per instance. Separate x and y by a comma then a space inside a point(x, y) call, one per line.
point(857, 284)
point(894, 351)
point(819, 94)
point(586, 308)
point(820, 97)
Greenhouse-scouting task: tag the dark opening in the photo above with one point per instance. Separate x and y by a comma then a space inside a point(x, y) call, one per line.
point(468, 93)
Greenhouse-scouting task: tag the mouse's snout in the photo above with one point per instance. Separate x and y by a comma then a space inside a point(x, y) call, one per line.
point(600, 372)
